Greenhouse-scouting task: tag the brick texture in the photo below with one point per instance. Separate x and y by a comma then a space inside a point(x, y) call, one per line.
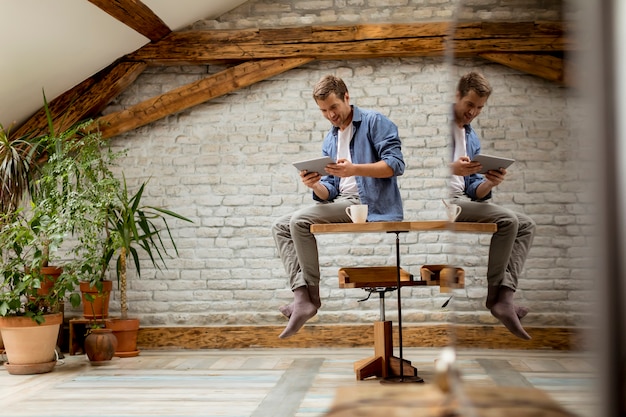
point(226, 164)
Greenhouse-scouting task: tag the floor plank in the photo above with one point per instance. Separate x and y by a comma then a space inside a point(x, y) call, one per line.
point(269, 382)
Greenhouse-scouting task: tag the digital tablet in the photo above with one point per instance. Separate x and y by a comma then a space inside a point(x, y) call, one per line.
point(314, 165)
point(490, 162)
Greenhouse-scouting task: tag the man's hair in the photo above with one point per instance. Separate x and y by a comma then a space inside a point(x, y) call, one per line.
point(474, 81)
point(327, 85)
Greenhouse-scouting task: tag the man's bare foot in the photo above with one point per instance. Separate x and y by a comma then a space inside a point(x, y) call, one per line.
point(286, 310)
point(505, 311)
point(314, 295)
point(521, 312)
point(303, 310)
point(492, 296)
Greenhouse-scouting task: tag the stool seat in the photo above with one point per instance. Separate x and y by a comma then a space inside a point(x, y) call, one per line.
point(375, 277)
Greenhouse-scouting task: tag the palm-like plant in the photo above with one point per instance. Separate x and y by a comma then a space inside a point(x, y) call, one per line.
point(16, 168)
point(133, 226)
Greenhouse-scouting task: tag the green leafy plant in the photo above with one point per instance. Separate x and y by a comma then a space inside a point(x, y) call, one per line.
point(21, 254)
point(133, 227)
point(16, 166)
point(54, 186)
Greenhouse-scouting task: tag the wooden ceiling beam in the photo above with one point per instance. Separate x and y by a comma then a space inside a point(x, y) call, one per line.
point(533, 47)
point(545, 66)
point(190, 95)
point(354, 42)
point(86, 100)
point(136, 15)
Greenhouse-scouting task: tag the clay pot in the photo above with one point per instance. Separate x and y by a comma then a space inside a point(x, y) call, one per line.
point(125, 330)
point(51, 274)
point(30, 347)
point(100, 345)
point(99, 307)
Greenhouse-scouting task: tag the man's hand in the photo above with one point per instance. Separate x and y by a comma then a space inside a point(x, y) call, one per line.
point(342, 169)
point(310, 178)
point(496, 177)
point(464, 167)
point(493, 178)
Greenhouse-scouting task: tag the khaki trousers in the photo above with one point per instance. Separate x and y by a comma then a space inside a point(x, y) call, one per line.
point(509, 245)
point(297, 246)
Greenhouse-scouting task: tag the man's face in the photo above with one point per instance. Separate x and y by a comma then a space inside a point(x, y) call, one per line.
point(336, 110)
point(467, 108)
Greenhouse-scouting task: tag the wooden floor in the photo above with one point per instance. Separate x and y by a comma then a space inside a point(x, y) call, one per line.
point(268, 382)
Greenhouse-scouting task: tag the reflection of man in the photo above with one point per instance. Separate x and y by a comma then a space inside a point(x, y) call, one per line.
point(511, 243)
point(368, 152)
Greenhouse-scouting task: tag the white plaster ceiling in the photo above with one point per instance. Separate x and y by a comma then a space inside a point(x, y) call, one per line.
point(52, 45)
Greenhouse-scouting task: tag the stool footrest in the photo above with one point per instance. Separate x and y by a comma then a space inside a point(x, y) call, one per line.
point(375, 277)
point(445, 276)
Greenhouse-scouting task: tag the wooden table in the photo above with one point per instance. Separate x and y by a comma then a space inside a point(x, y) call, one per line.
point(430, 401)
point(406, 226)
point(394, 368)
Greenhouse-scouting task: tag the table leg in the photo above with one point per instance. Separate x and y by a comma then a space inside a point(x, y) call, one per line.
point(399, 365)
point(383, 364)
point(377, 365)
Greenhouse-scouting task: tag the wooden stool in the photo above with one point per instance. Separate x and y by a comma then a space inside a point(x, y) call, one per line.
point(380, 279)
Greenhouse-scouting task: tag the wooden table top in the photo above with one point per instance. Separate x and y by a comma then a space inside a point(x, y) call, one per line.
point(427, 400)
point(404, 226)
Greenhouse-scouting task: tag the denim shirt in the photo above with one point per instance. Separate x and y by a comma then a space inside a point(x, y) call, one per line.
point(472, 182)
point(374, 138)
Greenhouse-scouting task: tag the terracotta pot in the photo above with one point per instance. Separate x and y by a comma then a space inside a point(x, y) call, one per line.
point(100, 345)
point(125, 330)
point(99, 308)
point(30, 348)
point(51, 274)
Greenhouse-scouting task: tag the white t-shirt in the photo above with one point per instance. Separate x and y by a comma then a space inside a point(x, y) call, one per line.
point(457, 183)
point(347, 186)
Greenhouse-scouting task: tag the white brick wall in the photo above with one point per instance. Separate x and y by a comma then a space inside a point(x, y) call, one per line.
point(227, 165)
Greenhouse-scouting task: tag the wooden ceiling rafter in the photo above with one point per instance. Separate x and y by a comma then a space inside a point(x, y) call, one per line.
point(185, 97)
point(257, 54)
point(353, 42)
point(85, 100)
point(542, 65)
point(137, 16)
point(491, 41)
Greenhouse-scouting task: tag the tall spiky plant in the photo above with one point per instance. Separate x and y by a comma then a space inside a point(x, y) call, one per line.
point(133, 226)
point(17, 157)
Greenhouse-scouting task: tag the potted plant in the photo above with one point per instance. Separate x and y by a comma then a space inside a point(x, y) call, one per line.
point(90, 264)
point(46, 196)
point(132, 228)
point(29, 319)
point(100, 343)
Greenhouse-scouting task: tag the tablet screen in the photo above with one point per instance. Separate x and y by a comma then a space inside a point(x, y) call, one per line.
point(490, 162)
point(314, 165)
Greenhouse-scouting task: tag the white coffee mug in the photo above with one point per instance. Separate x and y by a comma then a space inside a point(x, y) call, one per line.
point(453, 211)
point(357, 213)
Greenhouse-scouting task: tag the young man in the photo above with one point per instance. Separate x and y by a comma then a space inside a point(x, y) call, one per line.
point(368, 152)
point(470, 190)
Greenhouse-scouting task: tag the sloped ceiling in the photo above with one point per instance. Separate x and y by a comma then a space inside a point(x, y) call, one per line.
point(53, 45)
point(83, 53)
